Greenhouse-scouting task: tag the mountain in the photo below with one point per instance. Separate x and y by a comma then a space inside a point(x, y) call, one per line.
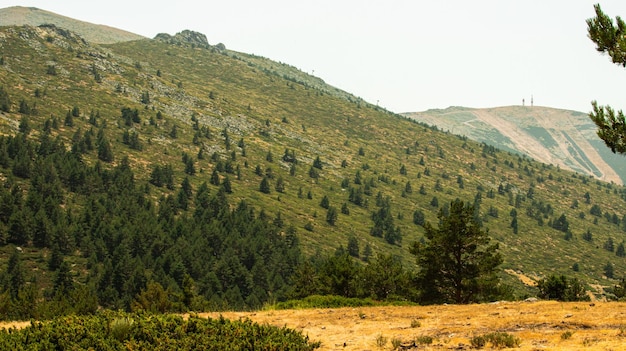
point(208, 170)
point(95, 33)
point(552, 136)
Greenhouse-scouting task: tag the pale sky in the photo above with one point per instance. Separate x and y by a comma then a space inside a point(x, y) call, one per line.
point(408, 56)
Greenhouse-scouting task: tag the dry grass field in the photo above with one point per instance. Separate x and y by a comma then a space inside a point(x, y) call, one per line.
point(543, 325)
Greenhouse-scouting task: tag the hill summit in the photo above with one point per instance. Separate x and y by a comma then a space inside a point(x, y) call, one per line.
point(95, 33)
point(552, 136)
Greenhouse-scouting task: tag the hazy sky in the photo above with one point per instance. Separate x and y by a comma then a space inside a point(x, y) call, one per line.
point(407, 55)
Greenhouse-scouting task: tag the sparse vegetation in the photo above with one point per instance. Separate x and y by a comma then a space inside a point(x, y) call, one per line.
point(381, 340)
point(497, 340)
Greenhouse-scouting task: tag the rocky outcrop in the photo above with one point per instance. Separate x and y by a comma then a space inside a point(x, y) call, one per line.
point(187, 38)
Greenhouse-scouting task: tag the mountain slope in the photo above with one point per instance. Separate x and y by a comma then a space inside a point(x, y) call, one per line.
point(95, 33)
point(247, 119)
point(552, 136)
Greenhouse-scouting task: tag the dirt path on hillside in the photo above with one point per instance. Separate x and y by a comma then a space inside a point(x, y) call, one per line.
point(523, 142)
point(549, 122)
point(545, 325)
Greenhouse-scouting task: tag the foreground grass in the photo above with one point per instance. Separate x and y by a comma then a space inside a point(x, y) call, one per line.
point(546, 325)
point(121, 331)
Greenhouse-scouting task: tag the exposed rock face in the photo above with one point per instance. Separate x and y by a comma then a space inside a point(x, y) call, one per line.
point(186, 37)
point(67, 34)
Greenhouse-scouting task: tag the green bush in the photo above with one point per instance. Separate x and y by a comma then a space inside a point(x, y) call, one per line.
point(497, 340)
point(424, 340)
point(326, 301)
point(121, 331)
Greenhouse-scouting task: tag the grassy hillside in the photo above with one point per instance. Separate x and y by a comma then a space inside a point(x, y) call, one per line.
point(553, 136)
point(247, 111)
point(95, 33)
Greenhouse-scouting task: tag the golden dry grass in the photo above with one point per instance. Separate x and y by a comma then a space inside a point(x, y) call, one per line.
point(543, 325)
point(540, 325)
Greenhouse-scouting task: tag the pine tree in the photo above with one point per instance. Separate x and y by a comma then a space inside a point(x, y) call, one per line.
point(215, 178)
point(345, 209)
point(264, 187)
point(620, 252)
point(105, 152)
point(227, 186)
point(16, 274)
point(419, 218)
point(280, 185)
point(317, 163)
point(353, 246)
point(608, 270)
point(331, 215)
point(611, 39)
point(457, 263)
point(5, 101)
point(63, 282)
point(514, 225)
point(325, 203)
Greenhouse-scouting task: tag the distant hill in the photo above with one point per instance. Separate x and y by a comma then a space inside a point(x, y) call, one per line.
point(95, 33)
point(552, 136)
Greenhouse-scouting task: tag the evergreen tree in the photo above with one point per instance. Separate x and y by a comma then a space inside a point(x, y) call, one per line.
point(514, 225)
point(587, 236)
point(608, 270)
point(385, 278)
point(63, 282)
point(190, 167)
point(264, 187)
point(345, 209)
point(314, 173)
point(317, 163)
point(16, 274)
point(215, 177)
point(105, 152)
point(227, 186)
point(331, 215)
point(562, 289)
point(280, 185)
point(608, 245)
point(457, 263)
point(69, 119)
point(24, 126)
point(367, 252)
point(5, 101)
point(325, 203)
point(419, 218)
point(611, 39)
point(620, 252)
point(353, 246)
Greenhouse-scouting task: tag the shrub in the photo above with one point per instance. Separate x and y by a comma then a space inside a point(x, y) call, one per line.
point(478, 342)
point(424, 340)
point(381, 341)
point(121, 331)
point(415, 323)
point(396, 342)
point(120, 328)
point(497, 340)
